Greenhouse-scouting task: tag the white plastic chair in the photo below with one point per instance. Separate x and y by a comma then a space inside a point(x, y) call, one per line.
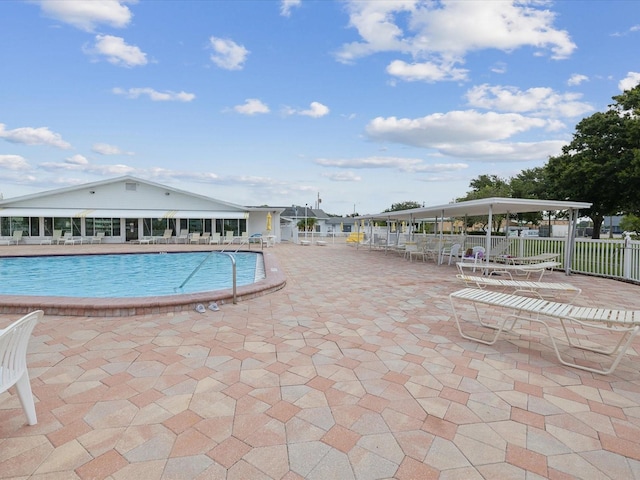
point(14, 341)
point(453, 252)
point(477, 255)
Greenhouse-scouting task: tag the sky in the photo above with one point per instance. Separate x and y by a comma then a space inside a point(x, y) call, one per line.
point(359, 104)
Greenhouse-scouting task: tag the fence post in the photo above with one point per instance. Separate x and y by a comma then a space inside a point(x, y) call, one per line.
point(626, 261)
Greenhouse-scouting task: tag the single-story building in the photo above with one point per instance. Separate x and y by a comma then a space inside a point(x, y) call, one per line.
point(129, 209)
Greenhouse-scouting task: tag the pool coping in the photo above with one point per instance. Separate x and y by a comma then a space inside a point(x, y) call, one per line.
point(124, 307)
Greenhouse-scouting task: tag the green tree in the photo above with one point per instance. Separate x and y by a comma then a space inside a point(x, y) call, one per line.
point(486, 186)
point(531, 183)
point(396, 207)
point(601, 165)
point(631, 223)
point(306, 224)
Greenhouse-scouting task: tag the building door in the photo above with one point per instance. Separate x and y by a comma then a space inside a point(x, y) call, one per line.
point(132, 229)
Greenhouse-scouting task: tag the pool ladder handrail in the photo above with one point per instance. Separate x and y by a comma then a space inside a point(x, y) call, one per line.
point(233, 271)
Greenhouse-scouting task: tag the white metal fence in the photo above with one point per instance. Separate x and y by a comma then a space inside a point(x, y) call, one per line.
point(613, 258)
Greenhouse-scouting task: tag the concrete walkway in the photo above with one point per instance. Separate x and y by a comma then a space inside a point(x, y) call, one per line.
point(354, 370)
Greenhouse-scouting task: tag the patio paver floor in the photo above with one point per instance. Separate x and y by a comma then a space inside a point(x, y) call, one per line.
point(354, 370)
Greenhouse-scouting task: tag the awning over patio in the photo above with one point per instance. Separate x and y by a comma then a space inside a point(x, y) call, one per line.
point(490, 206)
point(484, 206)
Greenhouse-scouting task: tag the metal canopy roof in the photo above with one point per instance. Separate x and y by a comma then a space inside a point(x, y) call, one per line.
point(484, 206)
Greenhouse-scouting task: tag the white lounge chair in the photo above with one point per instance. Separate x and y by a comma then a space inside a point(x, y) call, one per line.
point(520, 286)
point(526, 270)
point(166, 236)
point(228, 238)
point(243, 238)
point(71, 240)
point(63, 239)
point(15, 238)
point(521, 308)
point(205, 238)
point(14, 341)
point(52, 239)
point(97, 238)
point(542, 257)
point(194, 237)
point(215, 238)
point(182, 238)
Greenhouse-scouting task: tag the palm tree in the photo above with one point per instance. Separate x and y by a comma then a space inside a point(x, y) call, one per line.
point(307, 224)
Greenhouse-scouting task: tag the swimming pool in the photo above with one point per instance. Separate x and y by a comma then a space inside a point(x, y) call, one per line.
point(126, 275)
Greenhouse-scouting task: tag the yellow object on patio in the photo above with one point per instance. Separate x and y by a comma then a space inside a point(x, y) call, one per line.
point(268, 221)
point(355, 237)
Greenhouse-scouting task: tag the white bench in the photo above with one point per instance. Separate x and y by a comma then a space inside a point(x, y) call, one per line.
point(520, 286)
point(321, 243)
point(305, 243)
point(626, 323)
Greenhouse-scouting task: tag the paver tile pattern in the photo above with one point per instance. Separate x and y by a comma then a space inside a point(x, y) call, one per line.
point(354, 370)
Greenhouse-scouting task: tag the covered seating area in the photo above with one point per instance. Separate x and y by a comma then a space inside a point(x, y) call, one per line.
point(449, 247)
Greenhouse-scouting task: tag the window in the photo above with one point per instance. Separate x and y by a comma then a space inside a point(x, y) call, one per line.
point(48, 226)
point(195, 225)
point(110, 226)
point(237, 225)
point(72, 225)
point(8, 225)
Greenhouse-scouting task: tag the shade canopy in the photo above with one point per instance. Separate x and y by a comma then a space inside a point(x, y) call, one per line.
point(490, 207)
point(484, 206)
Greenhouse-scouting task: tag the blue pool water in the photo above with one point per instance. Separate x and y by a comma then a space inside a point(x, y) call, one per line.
point(126, 275)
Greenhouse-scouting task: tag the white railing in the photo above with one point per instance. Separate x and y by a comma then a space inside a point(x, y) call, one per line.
point(612, 258)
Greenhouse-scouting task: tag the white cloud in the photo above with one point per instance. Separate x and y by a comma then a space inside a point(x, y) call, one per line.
point(631, 80)
point(399, 163)
point(577, 79)
point(504, 152)
point(252, 106)
point(375, 23)
point(106, 149)
point(439, 35)
point(499, 67)
point(117, 51)
point(287, 5)
point(452, 127)
point(539, 100)
point(13, 162)
point(228, 54)
point(403, 164)
point(87, 14)
point(425, 71)
point(78, 160)
point(442, 167)
point(33, 136)
point(315, 110)
point(79, 163)
point(342, 176)
point(154, 95)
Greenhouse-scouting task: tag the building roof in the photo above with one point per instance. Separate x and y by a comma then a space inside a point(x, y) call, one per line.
point(109, 198)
